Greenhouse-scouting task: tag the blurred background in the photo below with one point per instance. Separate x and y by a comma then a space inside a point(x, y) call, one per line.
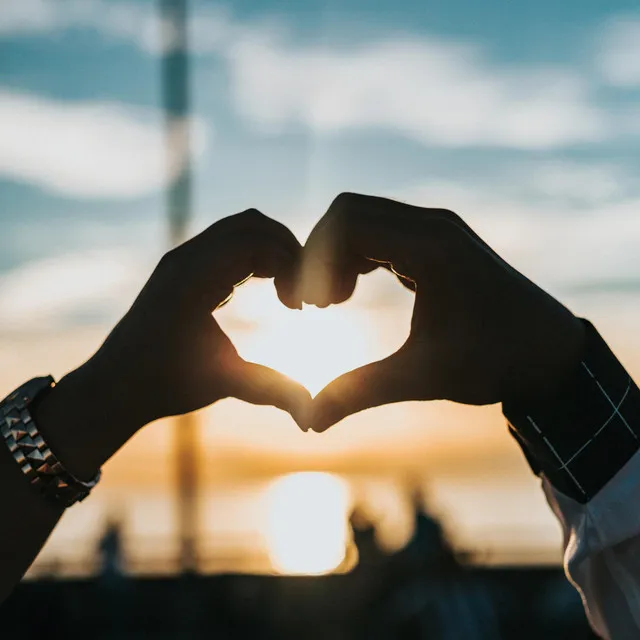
point(128, 125)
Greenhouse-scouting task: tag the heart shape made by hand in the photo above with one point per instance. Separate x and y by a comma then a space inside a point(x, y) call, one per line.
point(316, 345)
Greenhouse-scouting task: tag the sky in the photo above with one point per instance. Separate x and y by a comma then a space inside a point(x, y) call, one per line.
point(522, 117)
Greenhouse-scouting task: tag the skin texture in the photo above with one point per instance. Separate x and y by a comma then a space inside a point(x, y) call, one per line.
point(481, 332)
point(167, 356)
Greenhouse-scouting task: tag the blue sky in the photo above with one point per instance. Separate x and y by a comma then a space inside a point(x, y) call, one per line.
point(524, 117)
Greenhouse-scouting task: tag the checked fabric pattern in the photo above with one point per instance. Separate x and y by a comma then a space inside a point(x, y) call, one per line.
point(27, 446)
point(583, 434)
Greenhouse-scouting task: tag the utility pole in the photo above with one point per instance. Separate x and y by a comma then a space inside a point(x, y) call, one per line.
point(176, 104)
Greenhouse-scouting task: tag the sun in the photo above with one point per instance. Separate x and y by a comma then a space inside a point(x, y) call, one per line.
point(312, 346)
point(307, 523)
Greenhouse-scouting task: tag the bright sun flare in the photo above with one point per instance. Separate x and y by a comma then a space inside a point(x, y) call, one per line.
point(307, 530)
point(312, 346)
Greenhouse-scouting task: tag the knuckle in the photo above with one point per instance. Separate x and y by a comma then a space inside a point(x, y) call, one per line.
point(346, 212)
point(445, 227)
point(345, 202)
point(253, 215)
point(174, 263)
point(440, 236)
point(169, 259)
point(447, 214)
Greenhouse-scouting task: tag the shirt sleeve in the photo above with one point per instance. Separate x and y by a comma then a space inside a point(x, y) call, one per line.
point(583, 441)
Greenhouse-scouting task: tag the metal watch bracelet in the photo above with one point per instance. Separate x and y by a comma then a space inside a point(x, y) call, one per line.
point(40, 466)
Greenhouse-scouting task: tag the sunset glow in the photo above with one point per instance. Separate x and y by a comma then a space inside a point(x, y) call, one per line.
point(306, 529)
point(312, 347)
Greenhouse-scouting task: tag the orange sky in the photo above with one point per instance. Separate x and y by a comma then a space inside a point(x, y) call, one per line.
point(436, 437)
point(476, 475)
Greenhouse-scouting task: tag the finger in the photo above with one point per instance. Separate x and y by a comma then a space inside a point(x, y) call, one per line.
point(251, 220)
point(286, 279)
point(345, 281)
point(261, 385)
point(400, 236)
point(385, 382)
point(354, 229)
point(248, 244)
point(286, 284)
point(404, 280)
point(240, 259)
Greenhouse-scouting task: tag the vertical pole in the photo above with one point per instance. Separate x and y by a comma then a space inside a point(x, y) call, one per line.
point(175, 94)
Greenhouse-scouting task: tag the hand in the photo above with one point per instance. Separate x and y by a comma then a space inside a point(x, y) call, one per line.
point(481, 332)
point(168, 355)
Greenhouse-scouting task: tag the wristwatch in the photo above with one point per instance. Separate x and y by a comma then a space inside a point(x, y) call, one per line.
point(40, 466)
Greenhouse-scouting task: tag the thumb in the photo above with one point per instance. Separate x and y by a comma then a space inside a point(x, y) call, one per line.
point(394, 379)
point(261, 385)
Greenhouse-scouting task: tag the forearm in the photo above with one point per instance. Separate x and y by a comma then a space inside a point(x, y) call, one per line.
point(86, 418)
point(583, 440)
point(26, 521)
point(76, 428)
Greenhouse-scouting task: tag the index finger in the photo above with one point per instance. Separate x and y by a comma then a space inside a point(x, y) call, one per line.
point(357, 232)
point(230, 251)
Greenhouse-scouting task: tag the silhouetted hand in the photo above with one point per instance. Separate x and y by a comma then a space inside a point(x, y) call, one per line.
point(168, 355)
point(481, 332)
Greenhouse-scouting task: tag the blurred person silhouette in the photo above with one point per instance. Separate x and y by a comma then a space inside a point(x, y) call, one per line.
point(110, 551)
point(481, 333)
point(427, 592)
point(364, 539)
point(112, 583)
point(367, 580)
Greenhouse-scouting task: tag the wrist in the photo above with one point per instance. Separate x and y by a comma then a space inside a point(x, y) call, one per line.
point(84, 420)
point(548, 360)
point(581, 434)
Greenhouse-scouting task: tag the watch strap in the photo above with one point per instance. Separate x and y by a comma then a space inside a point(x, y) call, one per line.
point(38, 463)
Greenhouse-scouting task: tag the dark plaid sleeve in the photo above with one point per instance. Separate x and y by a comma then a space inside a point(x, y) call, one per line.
point(584, 433)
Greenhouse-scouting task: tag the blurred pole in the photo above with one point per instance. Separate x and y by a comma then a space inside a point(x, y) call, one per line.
point(175, 93)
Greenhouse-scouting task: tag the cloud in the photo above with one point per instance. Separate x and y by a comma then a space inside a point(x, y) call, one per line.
point(436, 91)
point(618, 54)
point(90, 286)
point(563, 243)
point(138, 23)
point(579, 183)
point(133, 21)
point(20, 17)
point(91, 149)
point(441, 92)
point(551, 182)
